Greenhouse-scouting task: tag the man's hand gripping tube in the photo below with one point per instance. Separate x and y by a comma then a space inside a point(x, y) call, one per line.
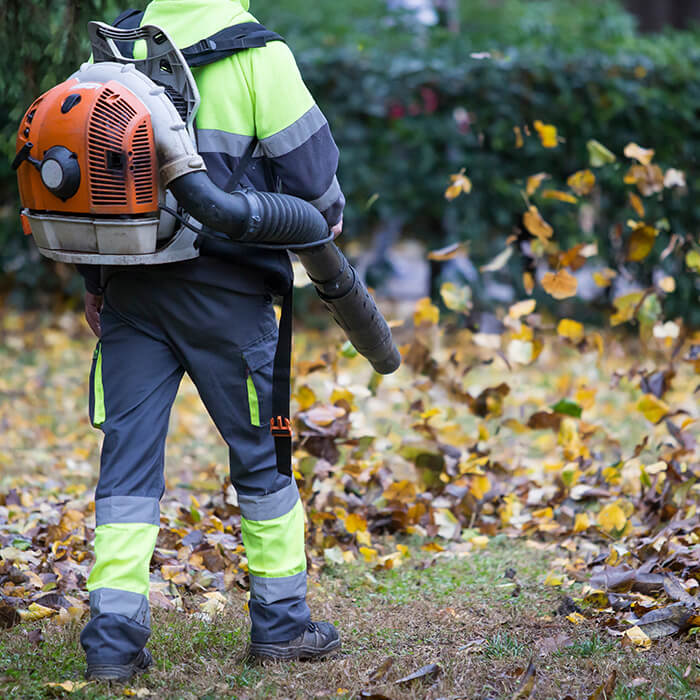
point(267, 218)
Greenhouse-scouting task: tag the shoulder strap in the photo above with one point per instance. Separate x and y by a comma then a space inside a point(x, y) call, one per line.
point(228, 41)
point(129, 19)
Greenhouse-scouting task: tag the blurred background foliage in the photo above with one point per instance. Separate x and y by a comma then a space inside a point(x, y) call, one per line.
point(411, 104)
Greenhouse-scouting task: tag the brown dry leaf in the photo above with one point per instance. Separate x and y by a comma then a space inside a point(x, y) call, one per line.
point(582, 182)
point(560, 285)
point(378, 674)
point(641, 242)
point(428, 672)
point(527, 683)
point(636, 152)
point(605, 690)
point(649, 179)
point(536, 225)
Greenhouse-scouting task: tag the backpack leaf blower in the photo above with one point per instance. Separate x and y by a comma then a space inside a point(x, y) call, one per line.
point(109, 174)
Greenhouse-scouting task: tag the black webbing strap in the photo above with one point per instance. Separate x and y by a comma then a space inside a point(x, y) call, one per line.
point(228, 41)
point(280, 424)
point(235, 177)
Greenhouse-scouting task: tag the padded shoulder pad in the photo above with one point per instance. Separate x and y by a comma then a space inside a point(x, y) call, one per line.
point(228, 41)
point(129, 19)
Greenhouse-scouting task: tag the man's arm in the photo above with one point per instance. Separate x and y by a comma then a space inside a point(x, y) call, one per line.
point(294, 134)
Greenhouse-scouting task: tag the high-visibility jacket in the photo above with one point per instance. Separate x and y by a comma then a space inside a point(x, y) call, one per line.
point(257, 93)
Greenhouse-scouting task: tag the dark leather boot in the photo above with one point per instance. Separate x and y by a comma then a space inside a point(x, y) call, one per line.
point(120, 672)
point(317, 640)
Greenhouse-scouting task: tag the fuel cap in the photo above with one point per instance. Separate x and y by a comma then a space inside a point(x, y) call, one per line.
point(60, 172)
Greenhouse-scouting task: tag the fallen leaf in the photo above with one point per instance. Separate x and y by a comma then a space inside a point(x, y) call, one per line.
point(560, 285)
point(429, 672)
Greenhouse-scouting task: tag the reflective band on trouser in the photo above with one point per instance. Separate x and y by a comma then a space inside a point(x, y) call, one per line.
point(99, 414)
point(273, 534)
point(253, 404)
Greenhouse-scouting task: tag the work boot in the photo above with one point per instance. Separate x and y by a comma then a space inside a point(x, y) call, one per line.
point(120, 672)
point(317, 640)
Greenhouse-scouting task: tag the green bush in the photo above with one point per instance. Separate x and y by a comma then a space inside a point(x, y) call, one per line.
point(409, 108)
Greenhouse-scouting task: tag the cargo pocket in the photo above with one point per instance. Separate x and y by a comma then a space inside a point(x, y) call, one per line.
point(97, 394)
point(258, 360)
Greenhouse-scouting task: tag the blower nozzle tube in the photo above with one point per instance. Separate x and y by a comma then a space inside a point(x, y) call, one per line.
point(264, 217)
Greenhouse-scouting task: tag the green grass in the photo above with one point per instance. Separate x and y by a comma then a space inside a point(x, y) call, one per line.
point(454, 611)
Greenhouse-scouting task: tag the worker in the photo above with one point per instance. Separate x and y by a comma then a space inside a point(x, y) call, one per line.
point(211, 317)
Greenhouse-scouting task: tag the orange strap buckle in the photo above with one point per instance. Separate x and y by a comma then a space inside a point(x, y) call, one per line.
point(283, 428)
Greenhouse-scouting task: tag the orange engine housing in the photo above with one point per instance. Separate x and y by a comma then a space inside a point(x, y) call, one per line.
point(109, 130)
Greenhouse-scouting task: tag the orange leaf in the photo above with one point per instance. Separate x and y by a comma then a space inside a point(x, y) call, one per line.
point(560, 196)
point(581, 182)
point(561, 285)
point(547, 134)
point(643, 155)
point(534, 182)
point(536, 225)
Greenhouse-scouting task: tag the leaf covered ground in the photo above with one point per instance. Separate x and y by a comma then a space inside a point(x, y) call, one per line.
point(526, 521)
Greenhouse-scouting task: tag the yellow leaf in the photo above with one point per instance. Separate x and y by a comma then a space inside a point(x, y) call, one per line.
point(479, 541)
point(479, 486)
point(636, 152)
point(456, 298)
point(604, 277)
point(582, 182)
point(625, 307)
point(652, 408)
point(641, 242)
point(638, 637)
point(637, 204)
point(305, 397)
point(547, 134)
point(534, 182)
point(498, 262)
point(363, 538)
point(573, 330)
point(369, 554)
point(36, 612)
point(522, 308)
point(536, 225)
point(460, 183)
point(426, 312)
point(560, 196)
point(432, 547)
point(692, 260)
point(355, 522)
point(598, 154)
point(342, 395)
point(528, 282)
point(519, 143)
point(553, 579)
point(668, 285)
point(581, 522)
point(576, 618)
point(612, 519)
point(561, 285)
point(68, 686)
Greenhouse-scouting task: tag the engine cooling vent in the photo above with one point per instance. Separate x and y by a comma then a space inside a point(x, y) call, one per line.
point(110, 120)
point(176, 98)
point(142, 164)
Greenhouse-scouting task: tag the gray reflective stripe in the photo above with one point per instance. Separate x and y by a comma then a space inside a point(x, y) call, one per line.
point(216, 141)
point(111, 600)
point(273, 505)
point(329, 197)
point(273, 590)
point(127, 509)
point(294, 135)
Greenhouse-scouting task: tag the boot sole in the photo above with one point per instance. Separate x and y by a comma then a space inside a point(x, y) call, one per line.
point(302, 653)
point(120, 673)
